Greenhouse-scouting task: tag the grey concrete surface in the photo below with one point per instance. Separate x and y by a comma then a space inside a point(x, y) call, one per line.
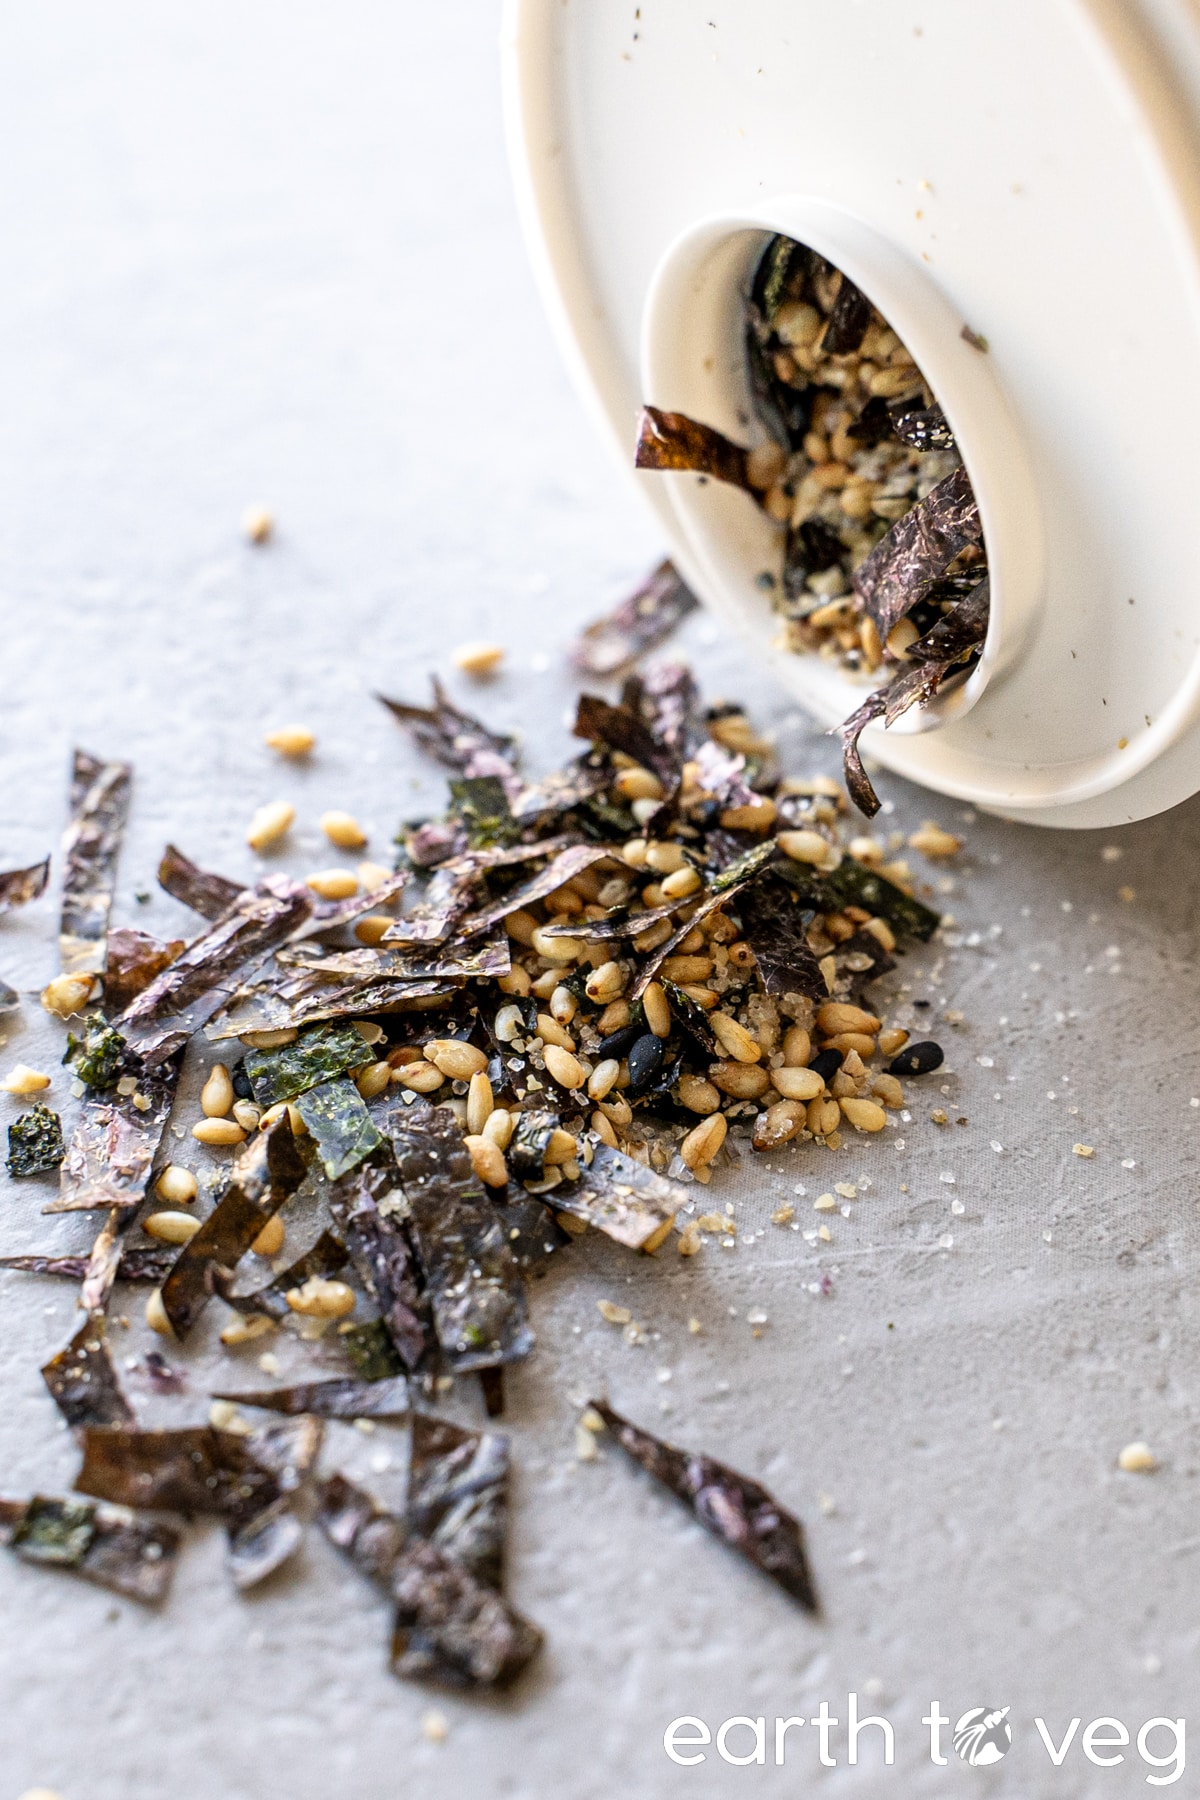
point(259, 252)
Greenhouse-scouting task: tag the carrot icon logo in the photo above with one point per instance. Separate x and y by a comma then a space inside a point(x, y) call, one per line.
point(983, 1735)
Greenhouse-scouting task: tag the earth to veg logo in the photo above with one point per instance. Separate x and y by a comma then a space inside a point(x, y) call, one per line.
point(983, 1735)
point(979, 1737)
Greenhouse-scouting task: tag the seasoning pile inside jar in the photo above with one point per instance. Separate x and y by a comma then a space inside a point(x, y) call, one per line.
point(883, 565)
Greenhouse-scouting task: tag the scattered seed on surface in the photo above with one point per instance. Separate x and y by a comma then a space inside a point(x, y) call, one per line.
point(216, 1096)
point(616, 1315)
point(21, 1079)
point(269, 1241)
point(171, 1227)
point(321, 1298)
point(332, 884)
point(67, 995)
point(343, 829)
point(218, 1132)
point(177, 1184)
point(478, 657)
point(291, 740)
point(269, 824)
point(1137, 1459)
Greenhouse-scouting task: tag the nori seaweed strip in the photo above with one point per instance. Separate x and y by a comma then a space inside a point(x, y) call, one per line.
point(530, 1140)
point(209, 895)
point(370, 1213)
point(561, 791)
point(858, 782)
point(448, 895)
point(259, 1545)
point(666, 699)
point(854, 884)
point(185, 996)
point(451, 1629)
point(920, 545)
point(9, 998)
point(475, 1290)
point(267, 1173)
point(670, 440)
point(326, 1257)
point(91, 843)
point(340, 1125)
point(107, 1250)
point(874, 424)
point(129, 1558)
point(135, 1265)
point(776, 926)
point(455, 739)
point(134, 959)
point(621, 1197)
point(529, 1232)
point(360, 1528)
point(317, 1055)
point(458, 1494)
point(196, 1470)
point(83, 1382)
point(491, 1382)
point(958, 631)
point(301, 999)
point(19, 886)
point(335, 1399)
point(619, 924)
point(914, 688)
point(262, 1544)
point(620, 728)
point(691, 1017)
point(564, 866)
point(490, 958)
point(735, 1509)
point(429, 842)
point(921, 427)
point(35, 1142)
point(371, 1350)
point(642, 621)
point(848, 321)
point(114, 1144)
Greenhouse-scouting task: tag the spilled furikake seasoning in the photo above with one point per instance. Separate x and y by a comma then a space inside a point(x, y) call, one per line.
point(883, 566)
point(600, 984)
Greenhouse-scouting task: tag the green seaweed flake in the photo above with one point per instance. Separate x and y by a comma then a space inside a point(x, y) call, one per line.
point(35, 1142)
point(340, 1125)
point(317, 1055)
point(56, 1531)
point(98, 1055)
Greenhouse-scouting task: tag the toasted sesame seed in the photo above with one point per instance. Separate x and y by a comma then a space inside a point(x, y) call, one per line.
point(291, 740)
point(269, 824)
point(343, 829)
point(21, 1079)
point(67, 994)
point(478, 657)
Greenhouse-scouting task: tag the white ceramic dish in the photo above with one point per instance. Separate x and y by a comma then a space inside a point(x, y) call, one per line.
point(1028, 167)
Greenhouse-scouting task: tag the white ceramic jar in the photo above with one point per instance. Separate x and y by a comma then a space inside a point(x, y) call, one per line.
point(1029, 168)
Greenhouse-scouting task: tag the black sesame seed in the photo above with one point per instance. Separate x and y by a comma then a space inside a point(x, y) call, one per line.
point(645, 1060)
point(827, 1063)
point(618, 1043)
point(918, 1059)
